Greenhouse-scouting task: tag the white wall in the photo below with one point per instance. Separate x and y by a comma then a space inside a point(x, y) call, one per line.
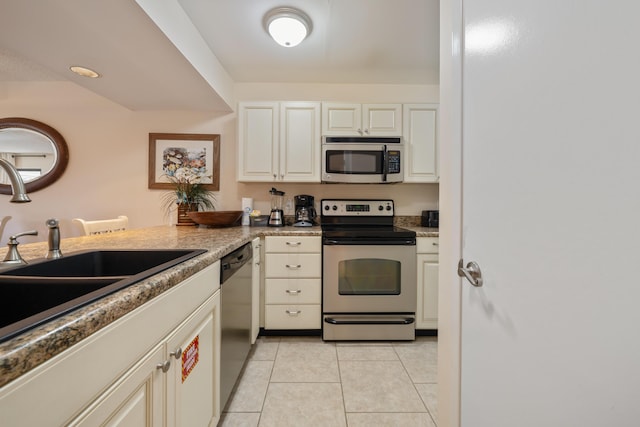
point(108, 144)
point(108, 161)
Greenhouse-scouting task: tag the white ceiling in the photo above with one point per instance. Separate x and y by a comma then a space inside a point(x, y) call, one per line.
point(353, 41)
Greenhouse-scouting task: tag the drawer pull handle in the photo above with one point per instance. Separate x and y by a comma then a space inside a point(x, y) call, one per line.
point(435, 244)
point(293, 292)
point(293, 313)
point(293, 266)
point(294, 243)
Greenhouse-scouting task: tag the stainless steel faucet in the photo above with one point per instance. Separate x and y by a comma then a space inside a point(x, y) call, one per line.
point(13, 258)
point(17, 184)
point(54, 239)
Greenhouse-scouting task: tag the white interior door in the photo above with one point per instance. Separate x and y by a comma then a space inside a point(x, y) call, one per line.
point(551, 213)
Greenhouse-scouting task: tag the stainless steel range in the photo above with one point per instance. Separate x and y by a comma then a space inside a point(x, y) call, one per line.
point(368, 272)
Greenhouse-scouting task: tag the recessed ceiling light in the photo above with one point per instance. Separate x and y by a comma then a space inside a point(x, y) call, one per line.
point(287, 26)
point(84, 72)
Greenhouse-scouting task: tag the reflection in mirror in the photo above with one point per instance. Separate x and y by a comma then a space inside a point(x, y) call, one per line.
point(38, 152)
point(32, 153)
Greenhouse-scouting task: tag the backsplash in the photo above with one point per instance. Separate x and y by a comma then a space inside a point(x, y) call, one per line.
point(406, 221)
point(409, 199)
point(400, 221)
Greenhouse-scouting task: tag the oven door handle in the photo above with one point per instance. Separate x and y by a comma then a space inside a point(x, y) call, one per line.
point(364, 241)
point(404, 321)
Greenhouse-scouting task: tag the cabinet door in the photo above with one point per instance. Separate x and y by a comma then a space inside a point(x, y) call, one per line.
point(382, 119)
point(427, 309)
point(193, 382)
point(258, 138)
point(135, 400)
point(421, 142)
point(341, 119)
point(300, 142)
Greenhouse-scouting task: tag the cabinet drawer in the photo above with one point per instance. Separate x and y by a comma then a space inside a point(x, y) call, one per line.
point(427, 245)
point(292, 265)
point(293, 291)
point(293, 244)
point(292, 316)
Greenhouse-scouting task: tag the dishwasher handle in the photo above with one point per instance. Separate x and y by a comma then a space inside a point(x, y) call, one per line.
point(234, 261)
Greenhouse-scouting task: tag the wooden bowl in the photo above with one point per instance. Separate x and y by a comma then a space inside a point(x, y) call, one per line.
point(216, 218)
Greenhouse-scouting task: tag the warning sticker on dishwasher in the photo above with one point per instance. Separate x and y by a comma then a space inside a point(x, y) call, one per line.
point(190, 357)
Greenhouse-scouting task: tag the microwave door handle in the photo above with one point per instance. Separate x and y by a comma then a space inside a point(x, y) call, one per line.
point(385, 164)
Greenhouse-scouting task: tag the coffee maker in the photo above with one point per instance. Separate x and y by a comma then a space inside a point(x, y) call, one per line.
point(305, 211)
point(276, 217)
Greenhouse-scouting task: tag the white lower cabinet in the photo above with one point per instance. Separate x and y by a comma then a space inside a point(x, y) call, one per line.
point(293, 284)
point(256, 276)
point(136, 399)
point(193, 386)
point(159, 365)
point(428, 266)
point(186, 362)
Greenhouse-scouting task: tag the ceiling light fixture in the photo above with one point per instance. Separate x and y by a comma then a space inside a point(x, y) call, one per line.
point(287, 26)
point(84, 72)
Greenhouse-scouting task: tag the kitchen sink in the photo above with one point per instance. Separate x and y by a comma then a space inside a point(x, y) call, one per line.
point(35, 293)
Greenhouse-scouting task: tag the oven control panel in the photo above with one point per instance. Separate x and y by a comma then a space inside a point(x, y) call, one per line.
point(350, 207)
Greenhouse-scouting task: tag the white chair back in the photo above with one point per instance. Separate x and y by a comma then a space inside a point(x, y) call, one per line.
point(103, 226)
point(3, 222)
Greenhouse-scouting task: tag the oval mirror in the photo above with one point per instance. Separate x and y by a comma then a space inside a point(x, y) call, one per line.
point(38, 151)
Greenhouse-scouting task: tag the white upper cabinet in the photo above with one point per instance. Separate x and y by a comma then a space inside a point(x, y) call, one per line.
point(421, 142)
point(361, 119)
point(300, 142)
point(258, 137)
point(279, 141)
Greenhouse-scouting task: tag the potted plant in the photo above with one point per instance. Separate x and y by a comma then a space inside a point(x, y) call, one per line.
point(189, 193)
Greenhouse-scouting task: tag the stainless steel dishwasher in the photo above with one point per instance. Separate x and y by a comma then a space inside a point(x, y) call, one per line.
point(235, 300)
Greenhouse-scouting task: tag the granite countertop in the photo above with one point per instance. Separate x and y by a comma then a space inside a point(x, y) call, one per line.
point(32, 348)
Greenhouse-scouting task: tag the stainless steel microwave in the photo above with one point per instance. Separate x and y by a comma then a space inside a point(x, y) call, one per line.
point(362, 159)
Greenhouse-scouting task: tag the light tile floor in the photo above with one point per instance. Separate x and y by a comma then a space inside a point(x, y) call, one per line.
point(304, 381)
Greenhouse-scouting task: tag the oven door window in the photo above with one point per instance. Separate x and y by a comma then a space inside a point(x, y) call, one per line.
point(369, 276)
point(354, 162)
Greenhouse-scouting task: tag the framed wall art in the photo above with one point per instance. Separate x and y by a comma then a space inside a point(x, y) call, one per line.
point(169, 152)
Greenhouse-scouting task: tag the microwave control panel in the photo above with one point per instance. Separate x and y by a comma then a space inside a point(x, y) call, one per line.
point(393, 161)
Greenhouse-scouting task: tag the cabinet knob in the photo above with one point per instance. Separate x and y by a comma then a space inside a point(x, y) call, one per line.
point(366, 131)
point(177, 353)
point(164, 366)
